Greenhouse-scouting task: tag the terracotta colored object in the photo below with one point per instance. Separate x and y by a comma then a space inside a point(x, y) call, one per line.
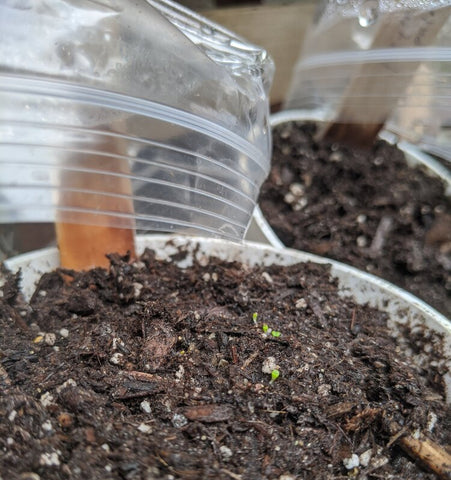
point(89, 237)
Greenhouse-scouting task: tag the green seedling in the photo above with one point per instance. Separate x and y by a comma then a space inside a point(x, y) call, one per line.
point(265, 328)
point(275, 333)
point(274, 375)
point(254, 317)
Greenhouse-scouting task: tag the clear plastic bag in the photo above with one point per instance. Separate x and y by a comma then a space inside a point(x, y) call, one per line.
point(347, 54)
point(132, 114)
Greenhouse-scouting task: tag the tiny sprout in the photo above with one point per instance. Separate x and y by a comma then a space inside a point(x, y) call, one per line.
point(275, 333)
point(265, 327)
point(254, 317)
point(274, 375)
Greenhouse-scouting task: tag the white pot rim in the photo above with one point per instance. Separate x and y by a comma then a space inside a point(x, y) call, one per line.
point(35, 263)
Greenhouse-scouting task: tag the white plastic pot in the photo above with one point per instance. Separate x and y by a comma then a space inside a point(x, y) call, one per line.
point(401, 307)
point(260, 230)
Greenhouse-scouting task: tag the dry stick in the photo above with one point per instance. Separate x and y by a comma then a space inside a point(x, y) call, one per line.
point(380, 236)
point(376, 87)
point(430, 454)
point(84, 239)
point(4, 378)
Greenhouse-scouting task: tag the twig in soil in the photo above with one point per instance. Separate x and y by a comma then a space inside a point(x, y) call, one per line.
point(4, 378)
point(20, 322)
point(234, 354)
point(132, 395)
point(319, 313)
point(144, 377)
point(260, 427)
point(397, 436)
point(231, 474)
point(380, 236)
point(249, 360)
point(429, 453)
point(352, 321)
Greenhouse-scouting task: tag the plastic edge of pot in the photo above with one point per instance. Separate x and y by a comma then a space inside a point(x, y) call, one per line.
point(402, 307)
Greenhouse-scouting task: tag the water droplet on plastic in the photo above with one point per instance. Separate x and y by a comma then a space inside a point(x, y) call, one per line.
point(368, 13)
point(342, 2)
point(207, 30)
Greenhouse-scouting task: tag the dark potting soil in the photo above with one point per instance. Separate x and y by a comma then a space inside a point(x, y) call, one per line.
point(148, 371)
point(365, 208)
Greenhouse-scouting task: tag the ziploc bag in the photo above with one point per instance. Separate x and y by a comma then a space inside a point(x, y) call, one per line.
point(381, 56)
point(424, 117)
point(130, 113)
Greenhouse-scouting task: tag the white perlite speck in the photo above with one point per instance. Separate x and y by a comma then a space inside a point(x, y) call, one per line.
point(49, 460)
point(117, 358)
point(267, 277)
point(379, 462)
point(432, 420)
point(324, 389)
point(289, 198)
point(180, 373)
point(297, 189)
point(365, 457)
point(225, 452)
point(64, 332)
point(145, 406)
point(70, 382)
point(137, 287)
point(145, 428)
point(336, 157)
point(179, 420)
point(12, 415)
point(47, 426)
point(269, 364)
point(46, 399)
point(50, 338)
point(351, 462)
point(362, 241)
point(301, 304)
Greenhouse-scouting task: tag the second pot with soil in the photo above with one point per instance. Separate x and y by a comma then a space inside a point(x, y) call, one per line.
point(386, 211)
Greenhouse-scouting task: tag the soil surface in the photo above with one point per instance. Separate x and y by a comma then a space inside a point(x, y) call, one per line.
point(148, 371)
point(365, 208)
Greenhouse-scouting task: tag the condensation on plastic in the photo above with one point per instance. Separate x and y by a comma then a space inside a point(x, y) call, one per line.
point(340, 42)
point(144, 93)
